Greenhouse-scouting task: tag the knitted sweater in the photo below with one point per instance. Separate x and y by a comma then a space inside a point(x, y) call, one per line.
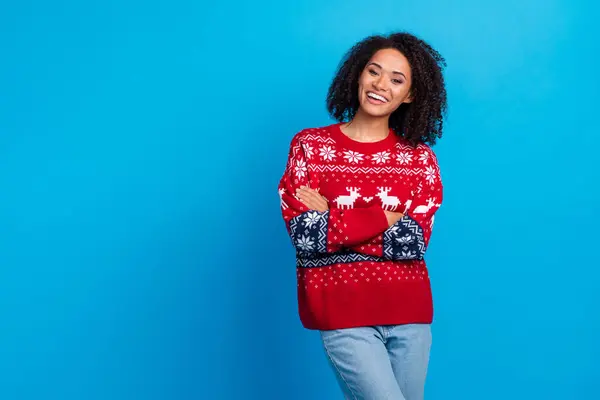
point(353, 269)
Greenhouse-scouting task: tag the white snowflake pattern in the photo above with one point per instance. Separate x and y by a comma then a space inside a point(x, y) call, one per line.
point(308, 151)
point(406, 239)
point(300, 168)
point(305, 243)
point(404, 157)
point(424, 158)
point(382, 157)
point(353, 156)
point(430, 175)
point(408, 254)
point(327, 153)
point(311, 218)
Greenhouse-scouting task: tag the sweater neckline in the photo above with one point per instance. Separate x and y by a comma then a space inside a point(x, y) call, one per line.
point(364, 147)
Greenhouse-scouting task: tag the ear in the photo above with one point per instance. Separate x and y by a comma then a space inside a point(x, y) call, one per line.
point(408, 99)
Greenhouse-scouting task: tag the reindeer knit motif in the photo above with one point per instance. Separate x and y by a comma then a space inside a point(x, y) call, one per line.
point(353, 269)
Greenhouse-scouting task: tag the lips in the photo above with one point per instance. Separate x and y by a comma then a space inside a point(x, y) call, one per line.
point(377, 97)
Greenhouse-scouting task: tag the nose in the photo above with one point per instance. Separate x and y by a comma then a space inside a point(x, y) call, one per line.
point(380, 83)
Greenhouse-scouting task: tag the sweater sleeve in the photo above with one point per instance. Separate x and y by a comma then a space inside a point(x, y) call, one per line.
point(408, 238)
point(313, 232)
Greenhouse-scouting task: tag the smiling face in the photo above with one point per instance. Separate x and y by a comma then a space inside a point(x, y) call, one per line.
point(385, 83)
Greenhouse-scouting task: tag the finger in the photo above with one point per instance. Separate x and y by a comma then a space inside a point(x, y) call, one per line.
point(319, 205)
point(308, 189)
point(313, 194)
point(312, 199)
point(316, 199)
point(304, 197)
point(306, 194)
point(305, 189)
point(312, 204)
point(303, 194)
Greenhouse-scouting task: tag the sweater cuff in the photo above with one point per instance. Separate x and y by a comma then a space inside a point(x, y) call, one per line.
point(404, 240)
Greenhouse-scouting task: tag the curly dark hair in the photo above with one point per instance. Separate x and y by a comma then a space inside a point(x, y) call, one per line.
point(420, 121)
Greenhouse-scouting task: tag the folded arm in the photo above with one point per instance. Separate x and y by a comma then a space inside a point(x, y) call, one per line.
point(408, 238)
point(325, 231)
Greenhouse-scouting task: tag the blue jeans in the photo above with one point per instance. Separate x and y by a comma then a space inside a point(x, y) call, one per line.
point(380, 362)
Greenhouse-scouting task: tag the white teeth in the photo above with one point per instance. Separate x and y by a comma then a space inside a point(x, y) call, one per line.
point(377, 97)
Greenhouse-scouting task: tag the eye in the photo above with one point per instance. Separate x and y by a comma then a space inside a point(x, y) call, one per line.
point(397, 81)
point(373, 72)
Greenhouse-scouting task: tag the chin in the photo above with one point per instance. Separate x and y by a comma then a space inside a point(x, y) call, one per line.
point(375, 111)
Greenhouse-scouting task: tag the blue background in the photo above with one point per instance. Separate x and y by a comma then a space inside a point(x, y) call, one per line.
point(142, 252)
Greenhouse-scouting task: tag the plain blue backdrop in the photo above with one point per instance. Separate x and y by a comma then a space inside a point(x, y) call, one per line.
point(142, 252)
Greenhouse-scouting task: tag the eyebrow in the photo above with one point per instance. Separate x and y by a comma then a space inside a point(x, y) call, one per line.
point(394, 72)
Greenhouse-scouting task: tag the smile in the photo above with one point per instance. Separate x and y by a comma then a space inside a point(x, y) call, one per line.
point(377, 97)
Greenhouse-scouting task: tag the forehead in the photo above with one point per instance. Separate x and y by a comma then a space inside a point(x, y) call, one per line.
point(392, 60)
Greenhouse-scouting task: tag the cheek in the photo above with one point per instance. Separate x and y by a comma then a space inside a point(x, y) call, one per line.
point(361, 84)
point(362, 88)
point(400, 94)
point(365, 79)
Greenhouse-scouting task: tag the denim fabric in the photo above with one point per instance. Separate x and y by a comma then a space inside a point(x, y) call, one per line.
point(380, 362)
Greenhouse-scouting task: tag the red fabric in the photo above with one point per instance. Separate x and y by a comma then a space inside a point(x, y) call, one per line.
point(360, 180)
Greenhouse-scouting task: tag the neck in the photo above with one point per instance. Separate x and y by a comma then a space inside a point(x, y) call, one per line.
point(366, 128)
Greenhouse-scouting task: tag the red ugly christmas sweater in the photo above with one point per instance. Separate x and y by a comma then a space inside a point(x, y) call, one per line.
point(353, 269)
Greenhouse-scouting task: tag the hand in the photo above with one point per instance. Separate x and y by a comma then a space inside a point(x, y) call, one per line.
point(312, 199)
point(393, 217)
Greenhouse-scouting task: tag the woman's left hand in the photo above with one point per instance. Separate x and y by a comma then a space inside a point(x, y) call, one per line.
point(312, 199)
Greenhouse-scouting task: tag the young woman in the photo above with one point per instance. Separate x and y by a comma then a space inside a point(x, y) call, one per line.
point(359, 198)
